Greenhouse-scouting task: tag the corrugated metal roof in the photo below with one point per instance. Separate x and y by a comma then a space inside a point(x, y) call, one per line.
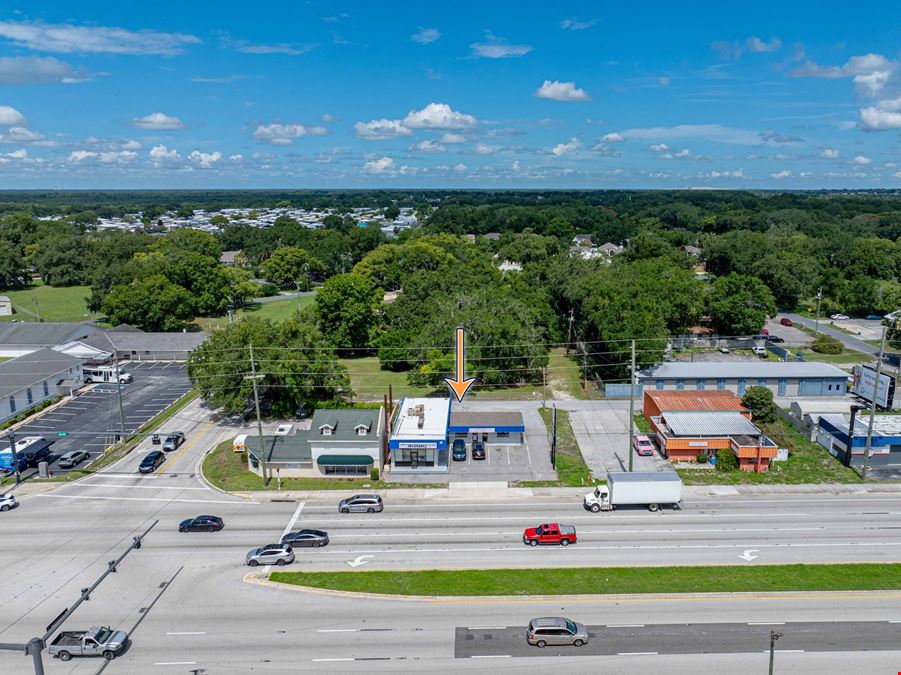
point(690, 423)
point(714, 370)
point(694, 400)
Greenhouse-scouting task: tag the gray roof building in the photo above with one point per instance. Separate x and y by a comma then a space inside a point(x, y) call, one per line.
point(29, 336)
point(277, 449)
point(742, 369)
point(500, 419)
point(137, 345)
point(34, 368)
point(345, 424)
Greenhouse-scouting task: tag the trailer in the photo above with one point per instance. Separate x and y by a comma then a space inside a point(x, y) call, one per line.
point(652, 490)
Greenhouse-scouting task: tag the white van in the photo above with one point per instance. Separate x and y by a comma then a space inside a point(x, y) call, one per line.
point(239, 444)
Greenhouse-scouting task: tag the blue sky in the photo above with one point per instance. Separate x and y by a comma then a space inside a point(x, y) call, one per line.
point(477, 95)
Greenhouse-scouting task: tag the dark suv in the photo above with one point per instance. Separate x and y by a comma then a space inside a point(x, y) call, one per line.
point(151, 462)
point(458, 451)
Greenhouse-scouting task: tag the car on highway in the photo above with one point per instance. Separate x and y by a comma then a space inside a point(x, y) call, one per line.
point(774, 339)
point(73, 458)
point(308, 538)
point(839, 317)
point(201, 524)
point(556, 630)
point(361, 504)
point(7, 502)
point(550, 533)
point(270, 554)
point(173, 440)
point(151, 461)
point(643, 445)
point(458, 451)
point(478, 450)
point(785, 321)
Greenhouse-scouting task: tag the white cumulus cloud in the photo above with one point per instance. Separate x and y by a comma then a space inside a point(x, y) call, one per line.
point(205, 160)
point(382, 165)
point(118, 157)
point(829, 153)
point(878, 118)
point(779, 175)
point(438, 116)
point(285, 134)
point(565, 148)
point(755, 44)
point(160, 153)
point(450, 138)
point(562, 91)
point(9, 116)
point(426, 36)
point(16, 70)
point(861, 160)
point(380, 130)
point(658, 147)
point(68, 38)
point(498, 48)
point(159, 121)
point(612, 137)
point(427, 146)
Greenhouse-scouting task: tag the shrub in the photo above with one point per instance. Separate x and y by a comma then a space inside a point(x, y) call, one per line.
point(826, 344)
point(374, 473)
point(726, 460)
point(702, 457)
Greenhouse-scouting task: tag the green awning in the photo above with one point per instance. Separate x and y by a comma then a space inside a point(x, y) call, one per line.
point(344, 460)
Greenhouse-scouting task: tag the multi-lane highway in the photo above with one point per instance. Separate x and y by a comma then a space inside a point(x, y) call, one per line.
point(186, 600)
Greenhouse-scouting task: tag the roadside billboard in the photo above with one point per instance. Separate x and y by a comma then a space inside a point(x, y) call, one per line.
point(865, 384)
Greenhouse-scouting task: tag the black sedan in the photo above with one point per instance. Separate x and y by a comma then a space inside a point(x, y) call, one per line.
point(311, 538)
point(478, 450)
point(201, 524)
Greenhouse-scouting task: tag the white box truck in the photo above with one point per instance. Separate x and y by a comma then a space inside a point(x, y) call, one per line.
point(636, 489)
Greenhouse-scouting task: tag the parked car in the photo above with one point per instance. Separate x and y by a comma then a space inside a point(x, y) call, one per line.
point(550, 533)
point(873, 317)
point(760, 351)
point(556, 631)
point(270, 554)
point(724, 350)
point(839, 317)
point(785, 321)
point(303, 412)
point(8, 502)
point(458, 452)
point(764, 331)
point(173, 440)
point(643, 445)
point(774, 339)
point(73, 458)
point(201, 524)
point(310, 538)
point(125, 378)
point(98, 641)
point(151, 461)
point(361, 504)
point(478, 450)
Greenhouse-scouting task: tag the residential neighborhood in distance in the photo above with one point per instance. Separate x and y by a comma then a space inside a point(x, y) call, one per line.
point(451, 339)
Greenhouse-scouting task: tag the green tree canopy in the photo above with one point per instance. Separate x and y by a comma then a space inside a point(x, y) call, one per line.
point(739, 304)
point(759, 400)
point(346, 308)
point(152, 304)
point(287, 267)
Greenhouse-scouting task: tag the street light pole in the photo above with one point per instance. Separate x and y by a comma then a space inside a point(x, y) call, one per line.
point(866, 453)
point(816, 325)
point(773, 637)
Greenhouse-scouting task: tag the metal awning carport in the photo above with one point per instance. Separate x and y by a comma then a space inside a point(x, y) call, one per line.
point(344, 460)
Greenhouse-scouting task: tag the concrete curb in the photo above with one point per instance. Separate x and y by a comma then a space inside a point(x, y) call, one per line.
point(257, 579)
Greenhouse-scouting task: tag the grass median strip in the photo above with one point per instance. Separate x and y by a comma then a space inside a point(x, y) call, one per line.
point(607, 580)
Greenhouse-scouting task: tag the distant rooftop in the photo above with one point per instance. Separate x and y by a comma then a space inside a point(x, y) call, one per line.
point(714, 370)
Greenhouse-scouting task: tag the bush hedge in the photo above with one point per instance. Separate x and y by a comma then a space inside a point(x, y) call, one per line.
point(826, 344)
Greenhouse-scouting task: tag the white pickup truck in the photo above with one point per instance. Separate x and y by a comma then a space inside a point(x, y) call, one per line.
point(98, 641)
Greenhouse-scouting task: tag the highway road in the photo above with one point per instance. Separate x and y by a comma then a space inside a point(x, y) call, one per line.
point(849, 341)
point(185, 599)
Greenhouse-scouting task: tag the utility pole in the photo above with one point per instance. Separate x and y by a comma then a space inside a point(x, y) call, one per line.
point(632, 406)
point(119, 392)
point(569, 331)
point(256, 400)
point(866, 453)
point(544, 387)
point(816, 325)
point(773, 637)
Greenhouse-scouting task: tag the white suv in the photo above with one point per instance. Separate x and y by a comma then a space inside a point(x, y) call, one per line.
point(8, 502)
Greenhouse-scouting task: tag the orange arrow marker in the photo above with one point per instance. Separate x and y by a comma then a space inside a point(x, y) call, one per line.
point(460, 385)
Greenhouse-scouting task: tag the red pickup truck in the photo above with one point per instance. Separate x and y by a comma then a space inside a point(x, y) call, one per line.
point(550, 533)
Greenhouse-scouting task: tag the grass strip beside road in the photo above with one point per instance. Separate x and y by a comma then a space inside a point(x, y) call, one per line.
point(606, 580)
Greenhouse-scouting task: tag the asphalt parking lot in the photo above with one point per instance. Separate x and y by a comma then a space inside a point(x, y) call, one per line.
point(92, 418)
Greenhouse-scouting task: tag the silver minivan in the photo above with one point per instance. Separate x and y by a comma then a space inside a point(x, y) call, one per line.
point(556, 631)
point(271, 554)
point(361, 504)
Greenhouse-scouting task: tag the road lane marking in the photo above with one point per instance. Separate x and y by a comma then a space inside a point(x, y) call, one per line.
point(294, 518)
point(329, 660)
point(487, 628)
point(146, 499)
point(628, 625)
point(491, 656)
point(189, 632)
point(469, 533)
point(185, 446)
point(575, 517)
point(641, 653)
point(766, 623)
point(142, 487)
point(337, 630)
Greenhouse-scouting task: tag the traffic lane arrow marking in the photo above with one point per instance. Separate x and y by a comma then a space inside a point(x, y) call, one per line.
point(748, 554)
point(460, 385)
point(361, 560)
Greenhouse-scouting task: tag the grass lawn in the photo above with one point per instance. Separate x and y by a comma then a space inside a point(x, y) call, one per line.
point(277, 311)
point(807, 462)
point(847, 356)
point(642, 424)
point(571, 468)
point(54, 304)
point(607, 580)
point(228, 471)
point(370, 382)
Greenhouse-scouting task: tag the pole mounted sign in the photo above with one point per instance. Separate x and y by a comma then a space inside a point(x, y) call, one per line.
point(460, 385)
